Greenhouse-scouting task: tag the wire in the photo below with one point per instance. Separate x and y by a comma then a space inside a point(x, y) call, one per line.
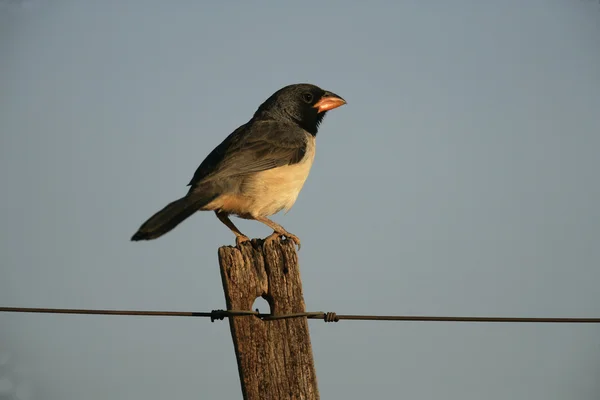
point(104, 312)
point(326, 316)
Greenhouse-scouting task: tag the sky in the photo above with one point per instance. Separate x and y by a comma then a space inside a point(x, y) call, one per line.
point(460, 179)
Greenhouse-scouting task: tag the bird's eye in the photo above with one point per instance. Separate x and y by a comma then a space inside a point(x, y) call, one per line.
point(307, 97)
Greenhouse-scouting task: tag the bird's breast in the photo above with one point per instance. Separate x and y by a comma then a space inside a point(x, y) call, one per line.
point(277, 189)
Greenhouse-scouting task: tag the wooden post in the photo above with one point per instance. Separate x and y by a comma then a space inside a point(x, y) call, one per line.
point(274, 357)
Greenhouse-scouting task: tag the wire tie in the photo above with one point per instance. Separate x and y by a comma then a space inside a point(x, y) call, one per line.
point(330, 317)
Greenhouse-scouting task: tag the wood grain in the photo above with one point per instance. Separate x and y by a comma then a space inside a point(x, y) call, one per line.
point(274, 357)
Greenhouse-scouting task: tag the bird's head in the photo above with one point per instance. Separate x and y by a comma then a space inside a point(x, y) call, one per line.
point(303, 104)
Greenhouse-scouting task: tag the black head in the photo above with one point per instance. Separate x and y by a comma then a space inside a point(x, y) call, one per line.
point(302, 104)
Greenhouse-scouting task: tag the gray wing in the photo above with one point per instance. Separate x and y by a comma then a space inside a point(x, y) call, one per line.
point(254, 147)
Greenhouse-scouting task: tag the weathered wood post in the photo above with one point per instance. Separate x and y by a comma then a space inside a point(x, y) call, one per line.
point(274, 357)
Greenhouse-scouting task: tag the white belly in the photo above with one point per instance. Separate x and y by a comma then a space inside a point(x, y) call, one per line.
point(277, 189)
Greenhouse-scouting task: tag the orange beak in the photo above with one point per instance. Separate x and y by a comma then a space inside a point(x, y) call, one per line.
point(329, 101)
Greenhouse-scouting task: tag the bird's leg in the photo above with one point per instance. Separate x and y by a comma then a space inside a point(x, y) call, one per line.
point(278, 231)
point(239, 236)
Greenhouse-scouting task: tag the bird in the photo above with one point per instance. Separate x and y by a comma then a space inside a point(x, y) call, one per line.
point(256, 171)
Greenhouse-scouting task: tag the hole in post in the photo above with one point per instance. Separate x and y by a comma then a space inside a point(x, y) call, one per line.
point(263, 305)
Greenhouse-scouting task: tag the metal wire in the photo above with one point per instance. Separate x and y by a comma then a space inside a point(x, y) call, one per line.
point(327, 317)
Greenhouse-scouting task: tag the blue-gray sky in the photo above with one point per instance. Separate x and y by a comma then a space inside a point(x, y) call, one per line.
point(460, 179)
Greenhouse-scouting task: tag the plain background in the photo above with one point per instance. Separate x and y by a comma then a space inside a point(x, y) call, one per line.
point(460, 179)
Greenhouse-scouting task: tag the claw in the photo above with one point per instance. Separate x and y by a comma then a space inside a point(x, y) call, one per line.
point(294, 239)
point(269, 239)
point(289, 236)
point(241, 239)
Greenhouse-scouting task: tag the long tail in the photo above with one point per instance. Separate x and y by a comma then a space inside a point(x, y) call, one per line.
point(171, 216)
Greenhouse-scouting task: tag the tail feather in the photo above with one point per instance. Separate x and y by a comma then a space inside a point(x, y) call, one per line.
point(170, 216)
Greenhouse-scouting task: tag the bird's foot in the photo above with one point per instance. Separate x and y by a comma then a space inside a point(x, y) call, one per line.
point(241, 239)
point(277, 235)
